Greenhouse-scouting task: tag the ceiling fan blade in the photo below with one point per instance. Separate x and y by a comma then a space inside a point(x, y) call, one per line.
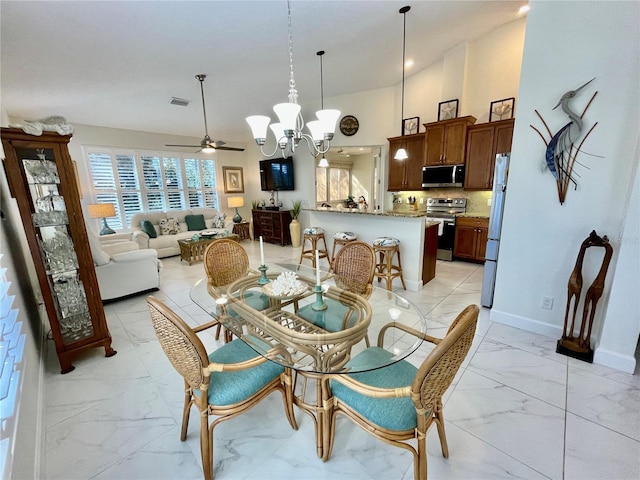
point(188, 146)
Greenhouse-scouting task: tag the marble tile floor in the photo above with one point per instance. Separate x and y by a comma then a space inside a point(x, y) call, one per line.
point(516, 409)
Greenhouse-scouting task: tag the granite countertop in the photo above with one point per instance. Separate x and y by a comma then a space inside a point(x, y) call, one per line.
point(473, 215)
point(378, 213)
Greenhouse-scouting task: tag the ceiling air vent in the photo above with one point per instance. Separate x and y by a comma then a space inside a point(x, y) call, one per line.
point(179, 101)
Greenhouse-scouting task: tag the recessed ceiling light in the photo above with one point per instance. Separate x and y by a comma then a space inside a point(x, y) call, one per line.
point(408, 63)
point(523, 9)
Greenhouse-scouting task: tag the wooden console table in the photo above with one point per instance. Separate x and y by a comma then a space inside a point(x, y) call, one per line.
point(272, 225)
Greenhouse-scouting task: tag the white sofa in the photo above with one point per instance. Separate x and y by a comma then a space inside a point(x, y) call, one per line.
point(167, 245)
point(122, 268)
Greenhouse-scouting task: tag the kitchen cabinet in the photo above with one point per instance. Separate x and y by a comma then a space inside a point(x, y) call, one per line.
point(484, 142)
point(272, 226)
point(42, 179)
point(445, 141)
point(406, 174)
point(471, 238)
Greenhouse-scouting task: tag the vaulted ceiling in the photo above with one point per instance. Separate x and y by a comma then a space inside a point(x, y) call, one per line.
point(118, 63)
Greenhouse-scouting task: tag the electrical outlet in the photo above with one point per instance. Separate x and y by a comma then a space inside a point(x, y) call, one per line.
point(421, 200)
point(546, 303)
point(399, 199)
point(304, 203)
point(488, 202)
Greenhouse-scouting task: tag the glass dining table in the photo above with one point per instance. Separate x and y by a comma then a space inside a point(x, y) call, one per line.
point(313, 327)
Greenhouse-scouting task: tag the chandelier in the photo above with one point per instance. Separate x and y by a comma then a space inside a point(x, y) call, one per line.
point(288, 131)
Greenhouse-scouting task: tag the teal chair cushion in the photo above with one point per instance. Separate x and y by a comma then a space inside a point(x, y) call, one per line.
point(397, 414)
point(228, 388)
point(329, 319)
point(257, 301)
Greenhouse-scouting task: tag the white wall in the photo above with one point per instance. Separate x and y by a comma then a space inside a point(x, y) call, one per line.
point(568, 43)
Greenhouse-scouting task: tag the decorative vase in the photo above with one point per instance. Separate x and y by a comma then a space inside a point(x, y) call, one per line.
point(294, 229)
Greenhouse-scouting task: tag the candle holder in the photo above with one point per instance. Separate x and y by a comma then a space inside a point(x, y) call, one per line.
point(319, 303)
point(263, 280)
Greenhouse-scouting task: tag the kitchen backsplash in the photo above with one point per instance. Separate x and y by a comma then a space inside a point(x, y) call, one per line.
point(477, 202)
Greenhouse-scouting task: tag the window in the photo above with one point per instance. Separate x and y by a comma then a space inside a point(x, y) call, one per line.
point(333, 184)
point(136, 182)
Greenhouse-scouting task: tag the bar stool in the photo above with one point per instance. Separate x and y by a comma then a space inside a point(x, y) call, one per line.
point(386, 248)
point(341, 239)
point(313, 235)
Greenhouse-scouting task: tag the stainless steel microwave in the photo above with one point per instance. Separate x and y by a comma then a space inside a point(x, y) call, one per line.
point(443, 176)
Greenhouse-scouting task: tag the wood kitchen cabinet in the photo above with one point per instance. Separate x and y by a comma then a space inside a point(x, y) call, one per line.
point(484, 142)
point(471, 238)
point(42, 179)
point(272, 226)
point(406, 174)
point(445, 141)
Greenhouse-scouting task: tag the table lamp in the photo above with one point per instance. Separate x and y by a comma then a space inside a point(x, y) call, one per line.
point(102, 210)
point(235, 202)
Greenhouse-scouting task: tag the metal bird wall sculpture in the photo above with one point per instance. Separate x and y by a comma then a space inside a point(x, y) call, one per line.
point(561, 151)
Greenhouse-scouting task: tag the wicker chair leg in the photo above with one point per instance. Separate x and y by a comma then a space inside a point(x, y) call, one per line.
point(206, 447)
point(439, 420)
point(185, 412)
point(420, 462)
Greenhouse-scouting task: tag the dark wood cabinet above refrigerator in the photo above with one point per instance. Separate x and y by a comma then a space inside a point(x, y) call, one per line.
point(484, 142)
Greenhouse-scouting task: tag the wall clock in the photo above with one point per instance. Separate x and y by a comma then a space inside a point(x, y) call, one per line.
point(349, 125)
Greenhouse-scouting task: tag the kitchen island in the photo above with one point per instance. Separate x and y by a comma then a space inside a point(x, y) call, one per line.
point(406, 226)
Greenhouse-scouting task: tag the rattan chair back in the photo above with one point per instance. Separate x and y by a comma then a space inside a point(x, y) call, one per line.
point(438, 370)
point(354, 267)
point(180, 344)
point(225, 261)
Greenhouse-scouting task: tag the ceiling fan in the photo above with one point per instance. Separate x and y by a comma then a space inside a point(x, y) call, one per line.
point(207, 145)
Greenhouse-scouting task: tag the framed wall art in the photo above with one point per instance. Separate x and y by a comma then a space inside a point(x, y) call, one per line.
point(448, 109)
point(501, 109)
point(410, 125)
point(233, 180)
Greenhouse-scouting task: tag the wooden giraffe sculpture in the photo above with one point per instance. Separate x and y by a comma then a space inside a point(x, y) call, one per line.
point(580, 347)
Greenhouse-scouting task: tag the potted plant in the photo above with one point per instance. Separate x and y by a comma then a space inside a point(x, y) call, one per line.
point(294, 226)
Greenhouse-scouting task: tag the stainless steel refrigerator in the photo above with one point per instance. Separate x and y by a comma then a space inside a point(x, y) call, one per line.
point(495, 225)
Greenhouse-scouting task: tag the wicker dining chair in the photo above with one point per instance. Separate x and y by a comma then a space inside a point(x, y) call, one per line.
point(353, 268)
point(225, 261)
point(400, 402)
point(226, 383)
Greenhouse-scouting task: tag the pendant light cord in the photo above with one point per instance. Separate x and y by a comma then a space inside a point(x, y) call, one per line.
point(320, 54)
point(404, 11)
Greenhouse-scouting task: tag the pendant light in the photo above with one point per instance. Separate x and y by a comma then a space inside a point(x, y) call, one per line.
point(401, 153)
point(323, 163)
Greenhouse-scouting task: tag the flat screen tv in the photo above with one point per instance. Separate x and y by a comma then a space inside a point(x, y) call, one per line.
point(276, 174)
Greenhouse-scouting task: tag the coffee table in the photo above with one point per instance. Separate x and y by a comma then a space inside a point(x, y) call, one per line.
point(193, 250)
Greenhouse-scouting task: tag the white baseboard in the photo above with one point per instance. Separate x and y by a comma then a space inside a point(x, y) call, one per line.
point(528, 324)
point(624, 363)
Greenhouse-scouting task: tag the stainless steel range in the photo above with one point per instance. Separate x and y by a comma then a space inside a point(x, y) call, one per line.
point(444, 211)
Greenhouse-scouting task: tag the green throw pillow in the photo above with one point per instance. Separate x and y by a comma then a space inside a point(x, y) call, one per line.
point(195, 222)
point(147, 227)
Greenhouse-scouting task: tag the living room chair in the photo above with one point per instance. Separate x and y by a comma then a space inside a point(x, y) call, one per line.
point(226, 383)
point(225, 261)
point(400, 402)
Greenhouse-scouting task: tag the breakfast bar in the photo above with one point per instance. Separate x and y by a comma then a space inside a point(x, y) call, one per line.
point(408, 227)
